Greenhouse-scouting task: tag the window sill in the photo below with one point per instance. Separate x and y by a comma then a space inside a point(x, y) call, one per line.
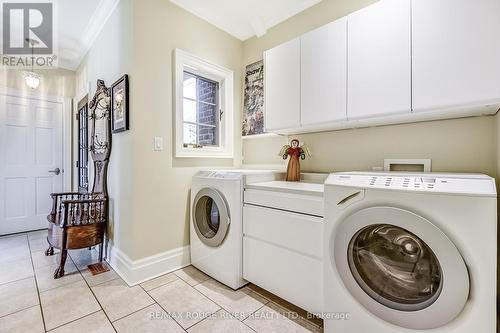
point(194, 153)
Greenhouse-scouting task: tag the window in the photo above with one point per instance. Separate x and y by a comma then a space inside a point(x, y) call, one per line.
point(83, 154)
point(201, 111)
point(204, 108)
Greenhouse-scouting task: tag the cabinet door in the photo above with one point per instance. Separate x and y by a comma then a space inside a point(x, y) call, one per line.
point(379, 60)
point(456, 53)
point(282, 86)
point(323, 73)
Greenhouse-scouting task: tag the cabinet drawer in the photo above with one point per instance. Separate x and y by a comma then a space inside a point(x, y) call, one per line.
point(287, 274)
point(293, 202)
point(297, 232)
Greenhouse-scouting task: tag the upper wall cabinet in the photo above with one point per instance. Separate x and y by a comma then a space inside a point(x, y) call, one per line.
point(456, 53)
point(282, 86)
point(323, 74)
point(379, 60)
point(394, 61)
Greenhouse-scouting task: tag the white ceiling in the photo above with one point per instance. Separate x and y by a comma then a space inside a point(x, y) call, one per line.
point(78, 23)
point(245, 18)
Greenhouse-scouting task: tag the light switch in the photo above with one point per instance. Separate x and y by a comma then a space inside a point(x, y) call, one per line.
point(158, 146)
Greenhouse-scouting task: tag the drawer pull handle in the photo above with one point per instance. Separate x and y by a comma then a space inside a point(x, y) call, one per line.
point(352, 196)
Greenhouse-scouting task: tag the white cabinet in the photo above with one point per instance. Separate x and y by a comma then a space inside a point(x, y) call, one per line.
point(282, 86)
point(292, 276)
point(379, 60)
point(300, 203)
point(395, 61)
point(456, 53)
point(323, 74)
point(282, 253)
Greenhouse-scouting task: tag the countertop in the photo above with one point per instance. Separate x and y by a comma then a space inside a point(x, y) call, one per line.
point(316, 189)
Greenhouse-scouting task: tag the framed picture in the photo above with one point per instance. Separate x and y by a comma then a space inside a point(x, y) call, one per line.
point(119, 105)
point(253, 108)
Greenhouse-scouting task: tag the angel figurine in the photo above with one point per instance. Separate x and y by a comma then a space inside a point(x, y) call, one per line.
point(294, 150)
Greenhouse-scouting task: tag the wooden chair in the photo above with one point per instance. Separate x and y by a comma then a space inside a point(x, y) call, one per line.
point(79, 220)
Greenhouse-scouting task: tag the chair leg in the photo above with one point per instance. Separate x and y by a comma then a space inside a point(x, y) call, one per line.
point(49, 251)
point(60, 270)
point(101, 250)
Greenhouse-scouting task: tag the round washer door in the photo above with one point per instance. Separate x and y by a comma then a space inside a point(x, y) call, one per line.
point(210, 216)
point(400, 267)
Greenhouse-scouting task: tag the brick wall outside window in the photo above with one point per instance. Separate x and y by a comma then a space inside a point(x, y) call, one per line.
point(208, 113)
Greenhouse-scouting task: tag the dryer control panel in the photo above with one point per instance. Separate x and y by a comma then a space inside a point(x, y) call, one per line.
point(440, 183)
point(402, 182)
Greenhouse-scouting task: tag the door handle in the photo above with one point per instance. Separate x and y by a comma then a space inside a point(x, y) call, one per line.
point(352, 196)
point(56, 171)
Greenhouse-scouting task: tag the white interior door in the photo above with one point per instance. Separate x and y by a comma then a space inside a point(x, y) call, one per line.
point(31, 149)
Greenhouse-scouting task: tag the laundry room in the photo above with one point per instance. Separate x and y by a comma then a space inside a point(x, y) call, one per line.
point(249, 166)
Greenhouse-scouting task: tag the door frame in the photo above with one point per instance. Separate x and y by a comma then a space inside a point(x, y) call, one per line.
point(67, 128)
point(79, 95)
point(77, 152)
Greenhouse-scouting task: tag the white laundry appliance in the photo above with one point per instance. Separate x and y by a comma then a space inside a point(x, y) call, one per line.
point(410, 253)
point(216, 231)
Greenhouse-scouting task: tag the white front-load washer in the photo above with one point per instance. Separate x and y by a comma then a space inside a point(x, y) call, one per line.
point(216, 230)
point(410, 253)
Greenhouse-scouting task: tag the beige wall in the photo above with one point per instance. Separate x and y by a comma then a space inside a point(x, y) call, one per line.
point(149, 190)
point(53, 82)
point(161, 182)
point(110, 57)
point(457, 145)
point(460, 145)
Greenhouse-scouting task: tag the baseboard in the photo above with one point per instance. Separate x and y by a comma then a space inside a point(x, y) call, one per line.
point(138, 271)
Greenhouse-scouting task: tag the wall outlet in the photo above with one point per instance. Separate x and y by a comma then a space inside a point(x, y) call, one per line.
point(158, 143)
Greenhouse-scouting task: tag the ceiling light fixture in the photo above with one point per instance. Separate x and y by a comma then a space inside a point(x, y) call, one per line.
point(32, 79)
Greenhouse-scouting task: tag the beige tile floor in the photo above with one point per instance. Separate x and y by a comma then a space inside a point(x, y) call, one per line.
point(186, 300)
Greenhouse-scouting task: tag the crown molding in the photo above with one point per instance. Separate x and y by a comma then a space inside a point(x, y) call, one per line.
point(257, 26)
point(94, 27)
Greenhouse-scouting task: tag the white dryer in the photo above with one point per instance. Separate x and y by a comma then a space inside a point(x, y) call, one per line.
point(216, 231)
point(410, 253)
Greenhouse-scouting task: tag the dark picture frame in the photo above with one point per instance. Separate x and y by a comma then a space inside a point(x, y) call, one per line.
point(120, 105)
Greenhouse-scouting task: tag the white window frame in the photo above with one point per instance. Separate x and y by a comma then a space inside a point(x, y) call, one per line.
point(185, 61)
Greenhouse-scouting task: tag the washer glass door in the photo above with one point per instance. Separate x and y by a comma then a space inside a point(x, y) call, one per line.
point(395, 267)
point(210, 216)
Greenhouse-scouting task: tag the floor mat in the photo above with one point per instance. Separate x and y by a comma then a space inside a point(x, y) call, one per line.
point(98, 268)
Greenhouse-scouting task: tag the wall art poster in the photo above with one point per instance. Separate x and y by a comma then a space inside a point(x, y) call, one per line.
point(253, 107)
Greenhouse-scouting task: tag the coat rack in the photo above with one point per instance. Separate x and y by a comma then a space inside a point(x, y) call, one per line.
point(79, 220)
